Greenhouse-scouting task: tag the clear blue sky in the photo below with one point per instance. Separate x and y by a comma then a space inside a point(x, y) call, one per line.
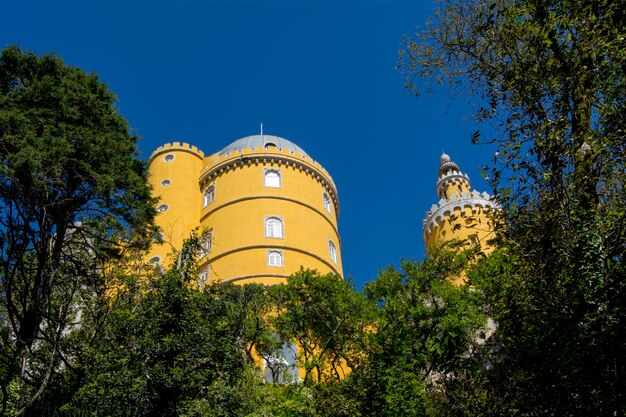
point(320, 73)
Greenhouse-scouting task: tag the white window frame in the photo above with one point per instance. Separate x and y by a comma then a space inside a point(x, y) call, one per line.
point(203, 277)
point(326, 201)
point(166, 182)
point(206, 244)
point(163, 208)
point(265, 178)
point(332, 251)
point(271, 233)
point(155, 260)
point(208, 198)
point(273, 255)
point(169, 157)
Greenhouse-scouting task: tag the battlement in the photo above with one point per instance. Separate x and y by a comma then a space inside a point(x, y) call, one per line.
point(177, 147)
point(262, 154)
point(473, 200)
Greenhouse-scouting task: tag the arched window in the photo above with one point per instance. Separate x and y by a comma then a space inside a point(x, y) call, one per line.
point(272, 178)
point(209, 195)
point(332, 251)
point(274, 227)
point(326, 201)
point(155, 260)
point(206, 244)
point(203, 277)
point(168, 158)
point(274, 258)
point(281, 366)
point(162, 208)
point(165, 183)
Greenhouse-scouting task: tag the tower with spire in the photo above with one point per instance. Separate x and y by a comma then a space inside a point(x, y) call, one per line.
point(461, 213)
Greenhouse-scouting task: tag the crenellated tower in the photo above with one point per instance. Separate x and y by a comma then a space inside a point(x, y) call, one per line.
point(461, 213)
point(172, 170)
point(266, 208)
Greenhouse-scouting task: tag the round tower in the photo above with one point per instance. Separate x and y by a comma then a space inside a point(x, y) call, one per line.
point(461, 213)
point(268, 209)
point(173, 174)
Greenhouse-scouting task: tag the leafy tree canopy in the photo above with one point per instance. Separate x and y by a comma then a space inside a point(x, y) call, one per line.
point(549, 77)
point(72, 194)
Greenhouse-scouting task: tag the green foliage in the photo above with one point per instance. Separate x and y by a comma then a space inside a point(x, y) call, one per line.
point(425, 328)
point(73, 195)
point(327, 319)
point(550, 77)
point(169, 349)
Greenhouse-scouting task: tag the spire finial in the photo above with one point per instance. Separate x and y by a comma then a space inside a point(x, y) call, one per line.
point(261, 128)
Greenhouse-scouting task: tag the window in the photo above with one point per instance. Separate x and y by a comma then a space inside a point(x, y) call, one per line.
point(168, 158)
point(326, 201)
point(206, 244)
point(162, 208)
point(165, 183)
point(281, 366)
point(209, 195)
point(155, 260)
point(274, 258)
point(473, 239)
point(203, 277)
point(272, 178)
point(274, 227)
point(332, 251)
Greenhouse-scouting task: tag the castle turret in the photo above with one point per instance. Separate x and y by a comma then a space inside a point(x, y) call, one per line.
point(267, 209)
point(173, 171)
point(461, 213)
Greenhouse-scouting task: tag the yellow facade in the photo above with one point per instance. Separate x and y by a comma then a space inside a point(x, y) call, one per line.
point(461, 213)
point(267, 207)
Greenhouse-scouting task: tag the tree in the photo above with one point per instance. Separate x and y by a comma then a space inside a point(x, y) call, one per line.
point(73, 195)
point(327, 319)
point(425, 330)
point(550, 79)
point(168, 350)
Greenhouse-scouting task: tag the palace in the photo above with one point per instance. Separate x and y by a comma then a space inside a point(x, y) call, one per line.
point(265, 209)
point(264, 206)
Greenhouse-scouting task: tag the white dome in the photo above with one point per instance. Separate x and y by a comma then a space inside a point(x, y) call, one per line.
point(264, 141)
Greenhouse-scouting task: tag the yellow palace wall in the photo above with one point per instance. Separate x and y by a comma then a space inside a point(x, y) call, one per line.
point(242, 202)
point(182, 196)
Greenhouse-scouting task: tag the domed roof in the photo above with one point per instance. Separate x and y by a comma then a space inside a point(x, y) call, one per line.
point(265, 141)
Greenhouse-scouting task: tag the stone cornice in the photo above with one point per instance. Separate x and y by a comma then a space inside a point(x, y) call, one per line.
point(275, 197)
point(252, 276)
point(283, 247)
point(445, 208)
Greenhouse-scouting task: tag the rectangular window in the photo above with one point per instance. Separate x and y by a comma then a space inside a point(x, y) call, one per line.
point(332, 251)
point(326, 201)
point(272, 178)
point(274, 227)
point(203, 277)
point(206, 244)
point(209, 195)
point(274, 258)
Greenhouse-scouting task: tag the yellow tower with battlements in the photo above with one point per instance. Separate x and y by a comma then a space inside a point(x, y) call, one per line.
point(461, 213)
point(267, 208)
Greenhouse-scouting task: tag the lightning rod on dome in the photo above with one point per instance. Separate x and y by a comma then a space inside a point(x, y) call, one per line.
point(261, 128)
